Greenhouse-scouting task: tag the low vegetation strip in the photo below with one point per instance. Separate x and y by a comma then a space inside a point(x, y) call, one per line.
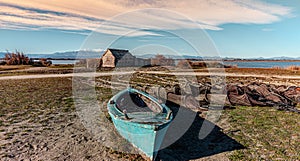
point(292, 68)
point(266, 71)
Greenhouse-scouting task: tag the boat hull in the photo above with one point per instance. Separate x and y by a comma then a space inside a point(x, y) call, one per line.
point(143, 130)
point(145, 139)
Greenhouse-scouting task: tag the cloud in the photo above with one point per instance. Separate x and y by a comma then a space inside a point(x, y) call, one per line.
point(25, 18)
point(90, 14)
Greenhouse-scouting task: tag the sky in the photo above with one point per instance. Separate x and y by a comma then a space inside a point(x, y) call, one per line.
point(228, 28)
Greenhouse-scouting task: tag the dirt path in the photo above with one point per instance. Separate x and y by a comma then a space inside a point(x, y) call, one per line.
point(93, 74)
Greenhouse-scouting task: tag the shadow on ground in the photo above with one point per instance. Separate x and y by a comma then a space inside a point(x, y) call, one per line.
point(189, 146)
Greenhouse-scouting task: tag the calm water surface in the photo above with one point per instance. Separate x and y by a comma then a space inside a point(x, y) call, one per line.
point(64, 61)
point(261, 64)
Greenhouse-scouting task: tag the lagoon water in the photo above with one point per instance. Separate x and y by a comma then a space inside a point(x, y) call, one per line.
point(64, 61)
point(261, 64)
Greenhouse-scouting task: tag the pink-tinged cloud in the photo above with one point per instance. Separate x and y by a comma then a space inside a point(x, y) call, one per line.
point(89, 14)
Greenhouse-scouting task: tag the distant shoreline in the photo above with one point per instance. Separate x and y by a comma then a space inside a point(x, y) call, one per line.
point(250, 60)
point(245, 60)
point(221, 59)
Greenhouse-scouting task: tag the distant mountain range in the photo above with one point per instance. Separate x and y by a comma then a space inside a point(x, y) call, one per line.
point(215, 57)
point(285, 58)
point(83, 54)
point(65, 55)
point(147, 56)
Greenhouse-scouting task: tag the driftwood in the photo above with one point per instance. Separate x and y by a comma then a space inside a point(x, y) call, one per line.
point(199, 89)
point(178, 99)
point(187, 101)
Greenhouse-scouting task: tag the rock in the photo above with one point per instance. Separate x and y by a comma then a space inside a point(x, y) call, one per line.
point(84, 138)
point(11, 155)
point(73, 136)
point(69, 124)
point(35, 147)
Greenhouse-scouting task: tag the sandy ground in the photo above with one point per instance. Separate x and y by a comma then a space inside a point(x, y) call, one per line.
point(64, 138)
point(38, 121)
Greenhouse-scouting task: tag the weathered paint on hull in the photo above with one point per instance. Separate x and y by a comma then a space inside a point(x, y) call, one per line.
point(144, 138)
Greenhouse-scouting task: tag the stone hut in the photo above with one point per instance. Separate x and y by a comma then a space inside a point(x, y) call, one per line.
point(121, 58)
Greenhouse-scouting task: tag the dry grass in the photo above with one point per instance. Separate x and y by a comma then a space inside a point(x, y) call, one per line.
point(44, 70)
point(292, 68)
point(68, 66)
point(13, 67)
point(276, 67)
point(266, 71)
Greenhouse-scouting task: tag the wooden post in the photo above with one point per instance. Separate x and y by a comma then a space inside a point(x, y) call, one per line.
point(169, 115)
point(175, 98)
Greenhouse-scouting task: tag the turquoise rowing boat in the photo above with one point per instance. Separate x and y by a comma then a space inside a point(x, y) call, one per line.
point(140, 119)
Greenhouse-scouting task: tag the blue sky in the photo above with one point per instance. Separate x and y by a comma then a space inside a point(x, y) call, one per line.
point(245, 28)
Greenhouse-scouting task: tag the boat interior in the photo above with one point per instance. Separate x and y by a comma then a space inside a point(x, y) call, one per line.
point(139, 108)
point(133, 102)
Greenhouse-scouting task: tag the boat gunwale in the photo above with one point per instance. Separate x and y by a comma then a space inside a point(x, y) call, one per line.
point(119, 113)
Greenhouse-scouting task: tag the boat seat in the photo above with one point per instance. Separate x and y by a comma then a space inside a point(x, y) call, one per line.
point(131, 102)
point(147, 117)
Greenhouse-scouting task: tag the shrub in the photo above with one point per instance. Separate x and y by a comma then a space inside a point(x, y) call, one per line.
point(17, 58)
point(42, 63)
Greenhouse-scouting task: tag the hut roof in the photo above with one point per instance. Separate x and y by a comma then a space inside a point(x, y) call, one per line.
point(119, 53)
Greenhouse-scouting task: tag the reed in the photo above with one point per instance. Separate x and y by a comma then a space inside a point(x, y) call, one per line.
point(293, 67)
point(276, 67)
